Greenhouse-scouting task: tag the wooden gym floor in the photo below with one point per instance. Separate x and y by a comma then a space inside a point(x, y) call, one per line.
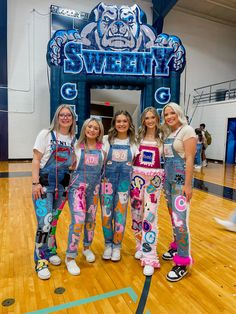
point(121, 287)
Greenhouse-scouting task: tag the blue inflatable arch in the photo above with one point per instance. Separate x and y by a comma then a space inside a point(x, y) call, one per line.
point(116, 49)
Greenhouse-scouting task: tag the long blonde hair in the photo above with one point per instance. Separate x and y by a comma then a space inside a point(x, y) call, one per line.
point(83, 139)
point(112, 133)
point(142, 131)
point(55, 121)
point(178, 110)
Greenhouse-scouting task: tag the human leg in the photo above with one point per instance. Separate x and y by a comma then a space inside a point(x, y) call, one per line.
point(136, 201)
point(182, 258)
point(90, 220)
point(107, 205)
point(173, 245)
point(43, 209)
point(77, 205)
point(120, 213)
point(58, 205)
point(150, 228)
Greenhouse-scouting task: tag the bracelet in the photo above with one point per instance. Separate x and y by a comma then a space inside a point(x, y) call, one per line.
point(35, 183)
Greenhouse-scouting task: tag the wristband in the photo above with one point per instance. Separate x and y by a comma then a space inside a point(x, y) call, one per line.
point(35, 183)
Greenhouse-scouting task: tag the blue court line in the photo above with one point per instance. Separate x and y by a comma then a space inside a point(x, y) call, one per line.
point(110, 294)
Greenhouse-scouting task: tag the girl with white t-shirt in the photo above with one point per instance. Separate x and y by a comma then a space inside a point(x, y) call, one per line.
point(52, 157)
point(179, 154)
point(146, 186)
point(84, 192)
point(120, 148)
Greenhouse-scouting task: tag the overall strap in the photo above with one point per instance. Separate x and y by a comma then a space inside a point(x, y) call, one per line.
point(53, 136)
point(178, 131)
point(73, 141)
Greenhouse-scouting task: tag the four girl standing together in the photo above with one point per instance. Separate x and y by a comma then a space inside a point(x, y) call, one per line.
point(114, 168)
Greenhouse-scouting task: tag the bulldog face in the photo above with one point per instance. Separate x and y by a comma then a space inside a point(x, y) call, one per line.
point(118, 27)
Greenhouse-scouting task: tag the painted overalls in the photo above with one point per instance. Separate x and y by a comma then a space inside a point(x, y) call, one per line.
point(55, 174)
point(115, 193)
point(145, 193)
point(177, 206)
point(83, 198)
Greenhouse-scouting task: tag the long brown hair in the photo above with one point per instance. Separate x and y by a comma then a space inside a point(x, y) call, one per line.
point(112, 133)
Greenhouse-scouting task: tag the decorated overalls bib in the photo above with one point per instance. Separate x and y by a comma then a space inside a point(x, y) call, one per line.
point(145, 192)
point(115, 193)
point(83, 198)
point(177, 205)
point(54, 177)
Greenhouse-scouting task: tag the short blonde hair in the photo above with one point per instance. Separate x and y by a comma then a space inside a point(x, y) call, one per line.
point(55, 121)
point(82, 138)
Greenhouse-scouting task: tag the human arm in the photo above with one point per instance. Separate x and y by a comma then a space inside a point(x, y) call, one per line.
point(105, 144)
point(190, 151)
point(37, 188)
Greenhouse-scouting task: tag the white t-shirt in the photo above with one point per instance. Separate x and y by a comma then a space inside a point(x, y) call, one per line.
point(133, 147)
point(184, 134)
point(43, 144)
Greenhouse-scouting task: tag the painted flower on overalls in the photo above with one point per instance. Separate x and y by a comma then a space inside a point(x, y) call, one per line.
point(136, 203)
point(179, 179)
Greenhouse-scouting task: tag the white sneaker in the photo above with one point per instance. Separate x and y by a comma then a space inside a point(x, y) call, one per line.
point(90, 257)
point(115, 257)
point(229, 225)
point(72, 267)
point(55, 260)
point(44, 273)
point(138, 255)
point(107, 252)
point(197, 168)
point(204, 163)
point(148, 270)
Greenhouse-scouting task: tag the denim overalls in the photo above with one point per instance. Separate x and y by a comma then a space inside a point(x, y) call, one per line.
point(198, 156)
point(177, 206)
point(146, 186)
point(48, 208)
point(115, 193)
point(83, 199)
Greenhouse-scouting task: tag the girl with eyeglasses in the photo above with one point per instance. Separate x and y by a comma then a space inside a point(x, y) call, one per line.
point(52, 158)
point(84, 192)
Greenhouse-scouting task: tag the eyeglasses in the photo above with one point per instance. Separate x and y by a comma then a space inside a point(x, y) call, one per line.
point(63, 115)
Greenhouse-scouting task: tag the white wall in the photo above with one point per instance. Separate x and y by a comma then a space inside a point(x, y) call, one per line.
point(215, 116)
point(28, 35)
point(210, 51)
point(210, 56)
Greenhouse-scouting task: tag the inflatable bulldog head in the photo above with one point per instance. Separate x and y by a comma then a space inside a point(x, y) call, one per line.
point(118, 28)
